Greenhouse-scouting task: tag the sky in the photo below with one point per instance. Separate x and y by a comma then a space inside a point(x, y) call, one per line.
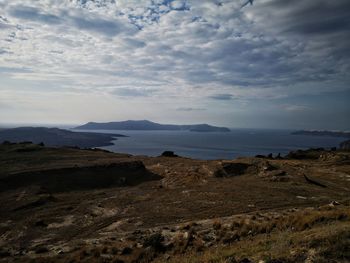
point(269, 64)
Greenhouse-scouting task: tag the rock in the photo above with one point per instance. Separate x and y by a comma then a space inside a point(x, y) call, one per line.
point(169, 154)
point(186, 235)
point(301, 197)
point(4, 253)
point(209, 237)
point(245, 260)
point(310, 154)
point(126, 251)
point(260, 156)
point(146, 255)
point(230, 237)
point(334, 203)
point(154, 241)
point(40, 250)
point(231, 259)
point(276, 173)
point(208, 244)
point(280, 178)
point(40, 223)
point(231, 169)
point(279, 157)
point(41, 201)
point(345, 145)
point(266, 166)
point(311, 181)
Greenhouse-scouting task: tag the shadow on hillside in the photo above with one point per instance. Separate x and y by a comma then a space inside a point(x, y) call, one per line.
point(82, 178)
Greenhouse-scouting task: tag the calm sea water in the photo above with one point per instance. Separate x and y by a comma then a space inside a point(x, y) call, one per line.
point(238, 142)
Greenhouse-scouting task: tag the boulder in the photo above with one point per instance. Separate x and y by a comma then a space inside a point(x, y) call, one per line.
point(231, 169)
point(260, 156)
point(266, 166)
point(310, 154)
point(169, 154)
point(345, 145)
point(155, 242)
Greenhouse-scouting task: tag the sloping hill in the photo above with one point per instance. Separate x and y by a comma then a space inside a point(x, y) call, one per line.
point(73, 205)
point(57, 137)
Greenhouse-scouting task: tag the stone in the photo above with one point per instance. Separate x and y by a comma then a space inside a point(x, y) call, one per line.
point(169, 154)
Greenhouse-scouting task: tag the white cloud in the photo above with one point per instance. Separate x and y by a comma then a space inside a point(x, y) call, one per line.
point(295, 108)
point(133, 47)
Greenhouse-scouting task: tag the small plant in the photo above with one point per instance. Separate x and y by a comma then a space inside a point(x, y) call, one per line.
point(154, 241)
point(96, 253)
point(217, 224)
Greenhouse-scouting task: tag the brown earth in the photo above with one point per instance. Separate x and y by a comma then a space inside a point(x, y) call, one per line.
point(72, 205)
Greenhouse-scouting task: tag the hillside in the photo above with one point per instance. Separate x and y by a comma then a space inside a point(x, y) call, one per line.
point(72, 205)
point(148, 125)
point(57, 137)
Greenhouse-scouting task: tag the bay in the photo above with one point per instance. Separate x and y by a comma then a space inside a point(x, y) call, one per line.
point(215, 145)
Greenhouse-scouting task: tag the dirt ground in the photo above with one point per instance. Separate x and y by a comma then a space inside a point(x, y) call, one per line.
point(38, 220)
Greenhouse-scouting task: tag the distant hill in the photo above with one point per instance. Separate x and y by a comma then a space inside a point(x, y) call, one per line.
point(57, 137)
point(323, 133)
point(344, 145)
point(145, 125)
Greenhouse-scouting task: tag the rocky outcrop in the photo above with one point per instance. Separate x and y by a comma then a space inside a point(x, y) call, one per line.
point(305, 154)
point(345, 145)
point(231, 169)
point(169, 154)
point(125, 173)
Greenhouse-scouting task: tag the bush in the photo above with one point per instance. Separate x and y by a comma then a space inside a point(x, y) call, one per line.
point(155, 241)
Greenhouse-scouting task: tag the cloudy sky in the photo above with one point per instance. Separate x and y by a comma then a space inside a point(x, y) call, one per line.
point(272, 64)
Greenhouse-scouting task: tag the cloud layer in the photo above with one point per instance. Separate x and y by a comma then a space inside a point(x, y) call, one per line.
point(164, 55)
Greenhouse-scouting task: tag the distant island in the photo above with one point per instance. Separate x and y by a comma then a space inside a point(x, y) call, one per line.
point(145, 125)
point(323, 133)
point(57, 137)
point(344, 145)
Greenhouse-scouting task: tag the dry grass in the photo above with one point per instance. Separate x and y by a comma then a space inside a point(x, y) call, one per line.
point(319, 235)
point(293, 221)
point(190, 194)
point(324, 244)
point(217, 224)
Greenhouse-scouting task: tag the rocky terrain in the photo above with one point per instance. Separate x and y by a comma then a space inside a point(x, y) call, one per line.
point(72, 205)
point(345, 145)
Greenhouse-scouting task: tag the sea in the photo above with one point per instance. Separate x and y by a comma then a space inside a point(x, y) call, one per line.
point(215, 145)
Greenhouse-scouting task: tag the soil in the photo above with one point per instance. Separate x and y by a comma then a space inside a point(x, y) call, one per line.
point(57, 201)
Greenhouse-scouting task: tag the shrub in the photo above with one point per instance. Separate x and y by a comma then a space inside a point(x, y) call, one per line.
point(154, 241)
